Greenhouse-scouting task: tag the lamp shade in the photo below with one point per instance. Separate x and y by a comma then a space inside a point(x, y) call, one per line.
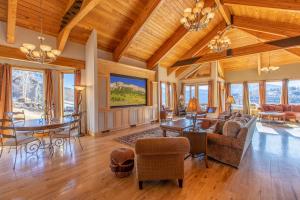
point(193, 105)
point(230, 100)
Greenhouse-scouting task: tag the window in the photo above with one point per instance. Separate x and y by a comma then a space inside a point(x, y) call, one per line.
point(163, 94)
point(28, 92)
point(171, 96)
point(253, 93)
point(68, 93)
point(237, 93)
point(273, 92)
point(189, 92)
point(203, 96)
point(294, 92)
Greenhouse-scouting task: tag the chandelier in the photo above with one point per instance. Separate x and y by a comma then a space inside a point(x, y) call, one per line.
point(219, 43)
point(269, 68)
point(197, 18)
point(43, 53)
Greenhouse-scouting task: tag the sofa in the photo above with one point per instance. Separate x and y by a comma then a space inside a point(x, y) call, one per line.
point(231, 147)
point(291, 111)
point(161, 159)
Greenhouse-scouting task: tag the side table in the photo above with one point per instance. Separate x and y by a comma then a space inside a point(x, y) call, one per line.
point(198, 143)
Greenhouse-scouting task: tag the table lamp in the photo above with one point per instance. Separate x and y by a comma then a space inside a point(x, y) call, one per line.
point(79, 88)
point(230, 100)
point(193, 108)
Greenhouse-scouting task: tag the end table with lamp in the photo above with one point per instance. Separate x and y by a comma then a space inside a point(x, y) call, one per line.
point(230, 100)
point(193, 108)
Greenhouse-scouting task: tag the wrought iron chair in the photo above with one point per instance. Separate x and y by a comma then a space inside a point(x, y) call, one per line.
point(61, 136)
point(15, 116)
point(10, 138)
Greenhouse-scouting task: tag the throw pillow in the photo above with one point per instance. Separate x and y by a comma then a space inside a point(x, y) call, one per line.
point(295, 108)
point(231, 128)
point(278, 108)
point(219, 127)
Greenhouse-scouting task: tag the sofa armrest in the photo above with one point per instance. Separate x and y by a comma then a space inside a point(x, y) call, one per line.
point(219, 139)
point(162, 146)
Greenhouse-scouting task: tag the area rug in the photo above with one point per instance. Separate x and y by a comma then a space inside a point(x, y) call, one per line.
point(151, 133)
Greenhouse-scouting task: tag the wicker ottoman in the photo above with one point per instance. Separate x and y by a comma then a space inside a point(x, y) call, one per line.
point(122, 162)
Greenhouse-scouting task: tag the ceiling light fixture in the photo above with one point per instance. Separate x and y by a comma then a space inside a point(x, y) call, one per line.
point(269, 68)
point(219, 43)
point(197, 18)
point(42, 54)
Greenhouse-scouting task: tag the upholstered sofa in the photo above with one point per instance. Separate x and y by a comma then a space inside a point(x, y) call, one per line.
point(229, 148)
point(291, 111)
point(161, 159)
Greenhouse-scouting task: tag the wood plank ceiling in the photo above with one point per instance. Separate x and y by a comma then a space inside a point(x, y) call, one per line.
point(161, 38)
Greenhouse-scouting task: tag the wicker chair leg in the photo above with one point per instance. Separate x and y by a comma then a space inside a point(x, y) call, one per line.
point(180, 182)
point(140, 185)
point(16, 158)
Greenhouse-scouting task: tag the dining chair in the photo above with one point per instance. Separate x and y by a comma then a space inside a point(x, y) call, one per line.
point(60, 136)
point(15, 116)
point(10, 138)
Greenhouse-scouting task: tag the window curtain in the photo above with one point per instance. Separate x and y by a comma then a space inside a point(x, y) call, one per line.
point(160, 94)
point(227, 94)
point(168, 95)
point(220, 97)
point(210, 93)
point(284, 95)
point(76, 92)
point(246, 103)
point(175, 98)
point(262, 92)
point(5, 89)
point(49, 90)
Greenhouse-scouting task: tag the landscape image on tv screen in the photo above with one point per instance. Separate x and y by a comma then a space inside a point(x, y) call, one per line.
point(127, 91)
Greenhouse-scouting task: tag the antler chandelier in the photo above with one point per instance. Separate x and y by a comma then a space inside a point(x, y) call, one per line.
point(197, 18)
point(42, 54)
point(219, 43)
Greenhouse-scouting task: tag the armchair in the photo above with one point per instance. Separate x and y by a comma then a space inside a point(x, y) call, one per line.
point(161, 159)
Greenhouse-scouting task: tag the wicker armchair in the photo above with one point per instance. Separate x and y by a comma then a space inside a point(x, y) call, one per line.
point(161, 159)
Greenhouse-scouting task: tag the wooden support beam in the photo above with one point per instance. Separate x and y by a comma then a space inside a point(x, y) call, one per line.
point(220, 70)
point(184, 71)
point(259, 64)
point(265, 26)
point(138, 24)
point(293, 5)
point(170, 70)
point(243, 51)
point(15, 53)
point(87, 6)
point(224, 12)
point(11, 20)
point(166, 47)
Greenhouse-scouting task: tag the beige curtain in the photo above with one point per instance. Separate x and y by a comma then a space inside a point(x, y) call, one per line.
point(49, 89)
point(210, 93)
point(246, 103)
point(284, 95)
point(5, 89)
point(227, 93)
point(262, 92)
point(76, 92)
point(175, 98)
point(160, 94)
point(168, 95)
point(220, 97)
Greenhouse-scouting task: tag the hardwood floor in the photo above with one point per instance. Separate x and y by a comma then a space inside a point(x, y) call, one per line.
point(270, 170)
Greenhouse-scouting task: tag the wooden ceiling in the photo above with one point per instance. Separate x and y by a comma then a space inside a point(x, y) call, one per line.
point(149, 30)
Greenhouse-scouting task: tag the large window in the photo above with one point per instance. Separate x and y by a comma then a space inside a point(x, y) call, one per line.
point(189, 92)
point(253, 93)
point(237, 93)
point(294, 92)
point(203, 96)
point(28, 92)
point(68, 93)
point(164, 94)
point(171, 96)
point(273, 92)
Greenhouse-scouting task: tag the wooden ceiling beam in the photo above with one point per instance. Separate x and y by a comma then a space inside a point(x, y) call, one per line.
point(293, 5)
point(265, 26)
point(243, 51)
point(224, 12)
point(86, 7)
point(259, 61)
point(11, 20)
point(137, 26)
point(15, 53)
point(166, 47)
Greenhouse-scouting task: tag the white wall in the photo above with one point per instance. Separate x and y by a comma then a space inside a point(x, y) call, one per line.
point(291, 71)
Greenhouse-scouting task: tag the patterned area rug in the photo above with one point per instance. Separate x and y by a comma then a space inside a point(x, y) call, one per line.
point(151, 133)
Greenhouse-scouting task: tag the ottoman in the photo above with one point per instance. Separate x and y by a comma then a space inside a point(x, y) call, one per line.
point(122, 162)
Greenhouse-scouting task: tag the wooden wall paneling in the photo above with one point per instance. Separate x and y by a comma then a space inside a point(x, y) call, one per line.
point(125, 118)
point(104, 91)
point(102, 121)
point(118, 119)
point(110, 119)
point(11, 20)
point(133, 116)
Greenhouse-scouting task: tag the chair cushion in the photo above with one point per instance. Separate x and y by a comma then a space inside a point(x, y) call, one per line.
point(219, 127)
point(278, 108)
point(231, 128)
point(287, 108)
point(296, 108)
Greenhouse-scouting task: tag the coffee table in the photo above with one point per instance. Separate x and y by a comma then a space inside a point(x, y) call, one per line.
point(177, 126)
point(272, 115)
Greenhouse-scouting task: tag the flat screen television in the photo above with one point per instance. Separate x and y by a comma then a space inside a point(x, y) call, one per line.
point(127, 91)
